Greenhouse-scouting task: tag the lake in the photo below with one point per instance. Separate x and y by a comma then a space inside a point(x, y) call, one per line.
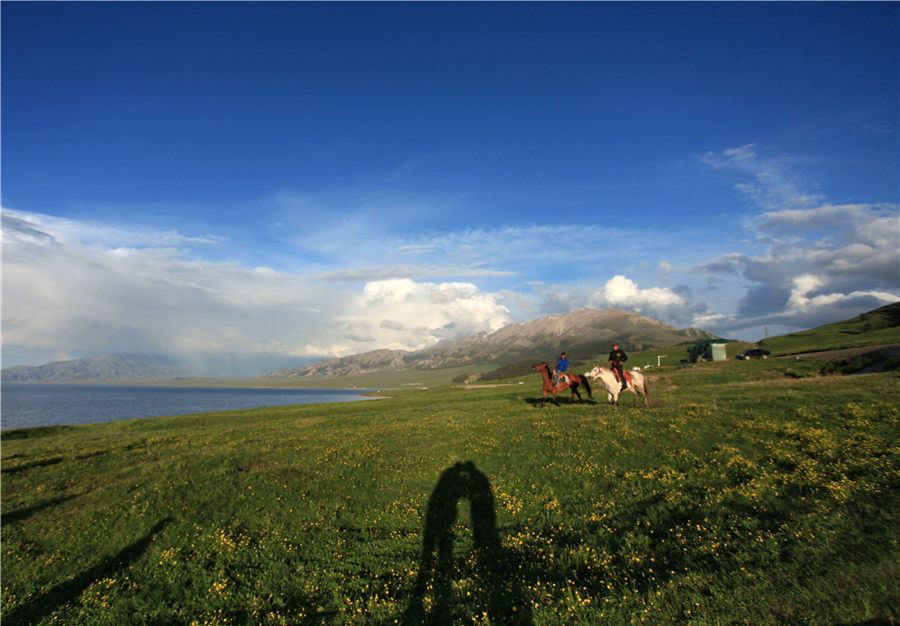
point(24, 405)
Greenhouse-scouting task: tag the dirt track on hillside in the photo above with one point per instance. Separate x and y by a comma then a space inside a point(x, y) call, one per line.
point(889, 350)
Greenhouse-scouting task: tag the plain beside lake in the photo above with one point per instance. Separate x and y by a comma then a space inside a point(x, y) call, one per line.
point(751, 493)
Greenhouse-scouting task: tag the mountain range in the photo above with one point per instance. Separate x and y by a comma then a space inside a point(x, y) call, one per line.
point(96, 369)
point(585, 334)
point(582, 333)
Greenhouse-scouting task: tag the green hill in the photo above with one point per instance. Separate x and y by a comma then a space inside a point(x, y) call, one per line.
point(877, 327)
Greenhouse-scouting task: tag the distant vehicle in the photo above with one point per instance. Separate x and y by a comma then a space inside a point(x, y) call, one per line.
point(754, 353)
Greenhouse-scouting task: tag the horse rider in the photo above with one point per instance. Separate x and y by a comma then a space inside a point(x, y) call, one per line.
point(616, 358)
point(562, 364)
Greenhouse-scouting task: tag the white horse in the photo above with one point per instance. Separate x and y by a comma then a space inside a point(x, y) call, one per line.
point(614, 387)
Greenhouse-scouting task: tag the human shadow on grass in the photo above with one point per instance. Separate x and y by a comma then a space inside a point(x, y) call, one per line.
point(18, 516)
point(539, 402)
point(502, 598)
point(32, 465)
point(32, 432)
point(43, 605)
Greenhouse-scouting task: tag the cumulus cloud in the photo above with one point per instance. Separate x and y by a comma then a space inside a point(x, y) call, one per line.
point(408, 315)
point(67, 290)
point(63, 295)
point(821, 262)
point(827, 258)
point(834, 225)
point(620, 291)
point(674, 307)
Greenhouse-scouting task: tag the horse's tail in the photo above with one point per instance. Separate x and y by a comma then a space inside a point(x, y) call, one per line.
point(647, 391)
point(587, 386)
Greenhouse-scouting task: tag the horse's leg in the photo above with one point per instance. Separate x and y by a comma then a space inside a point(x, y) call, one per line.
point(587, 387)
point(575, 393)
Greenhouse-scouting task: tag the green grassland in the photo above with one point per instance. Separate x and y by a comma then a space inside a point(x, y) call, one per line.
point(881, 326)
point(387, 379)
point(751, 493)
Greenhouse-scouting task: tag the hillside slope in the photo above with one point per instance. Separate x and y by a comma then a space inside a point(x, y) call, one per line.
point(879, 326)
point(582, 333)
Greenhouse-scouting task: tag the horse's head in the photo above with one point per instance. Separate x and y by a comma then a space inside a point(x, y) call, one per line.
point(537, 367)
point(594, 373)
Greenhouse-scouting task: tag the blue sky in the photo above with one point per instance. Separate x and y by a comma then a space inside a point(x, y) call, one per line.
point(252, 185)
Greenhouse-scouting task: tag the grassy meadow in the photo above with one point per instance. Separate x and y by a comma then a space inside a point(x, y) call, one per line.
point(751, 493)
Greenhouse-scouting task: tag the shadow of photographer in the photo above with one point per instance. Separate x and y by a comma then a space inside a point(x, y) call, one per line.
point(500, 596)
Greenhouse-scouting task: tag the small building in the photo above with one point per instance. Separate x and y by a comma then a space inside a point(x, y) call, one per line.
point(718, 351)
point(711, 350)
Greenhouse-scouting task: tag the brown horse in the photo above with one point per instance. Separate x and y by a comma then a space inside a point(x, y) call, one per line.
point(566, 381)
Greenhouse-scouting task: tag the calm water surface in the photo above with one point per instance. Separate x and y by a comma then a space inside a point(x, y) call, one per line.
point(25, 405)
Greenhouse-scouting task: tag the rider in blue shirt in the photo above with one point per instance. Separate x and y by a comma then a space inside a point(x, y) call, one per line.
point(562, 364)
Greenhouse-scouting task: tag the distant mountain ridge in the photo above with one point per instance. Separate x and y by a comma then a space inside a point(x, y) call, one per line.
point(581, 332)
point(101, 368)
point(584, 333)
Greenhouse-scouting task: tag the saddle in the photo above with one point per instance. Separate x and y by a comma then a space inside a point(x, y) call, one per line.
point(615, 372)
point(563, 379)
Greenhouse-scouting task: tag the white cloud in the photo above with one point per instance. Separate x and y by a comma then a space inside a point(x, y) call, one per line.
point(68, 231)
point(801, 299)
point(775, 182)
point(821, 262)
point(662, 303)
point(623, 292)
point(358, 282)
point(822, 257)
point(403, 314)
point(830, 225)
point(65, 295)
point(417, 248)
